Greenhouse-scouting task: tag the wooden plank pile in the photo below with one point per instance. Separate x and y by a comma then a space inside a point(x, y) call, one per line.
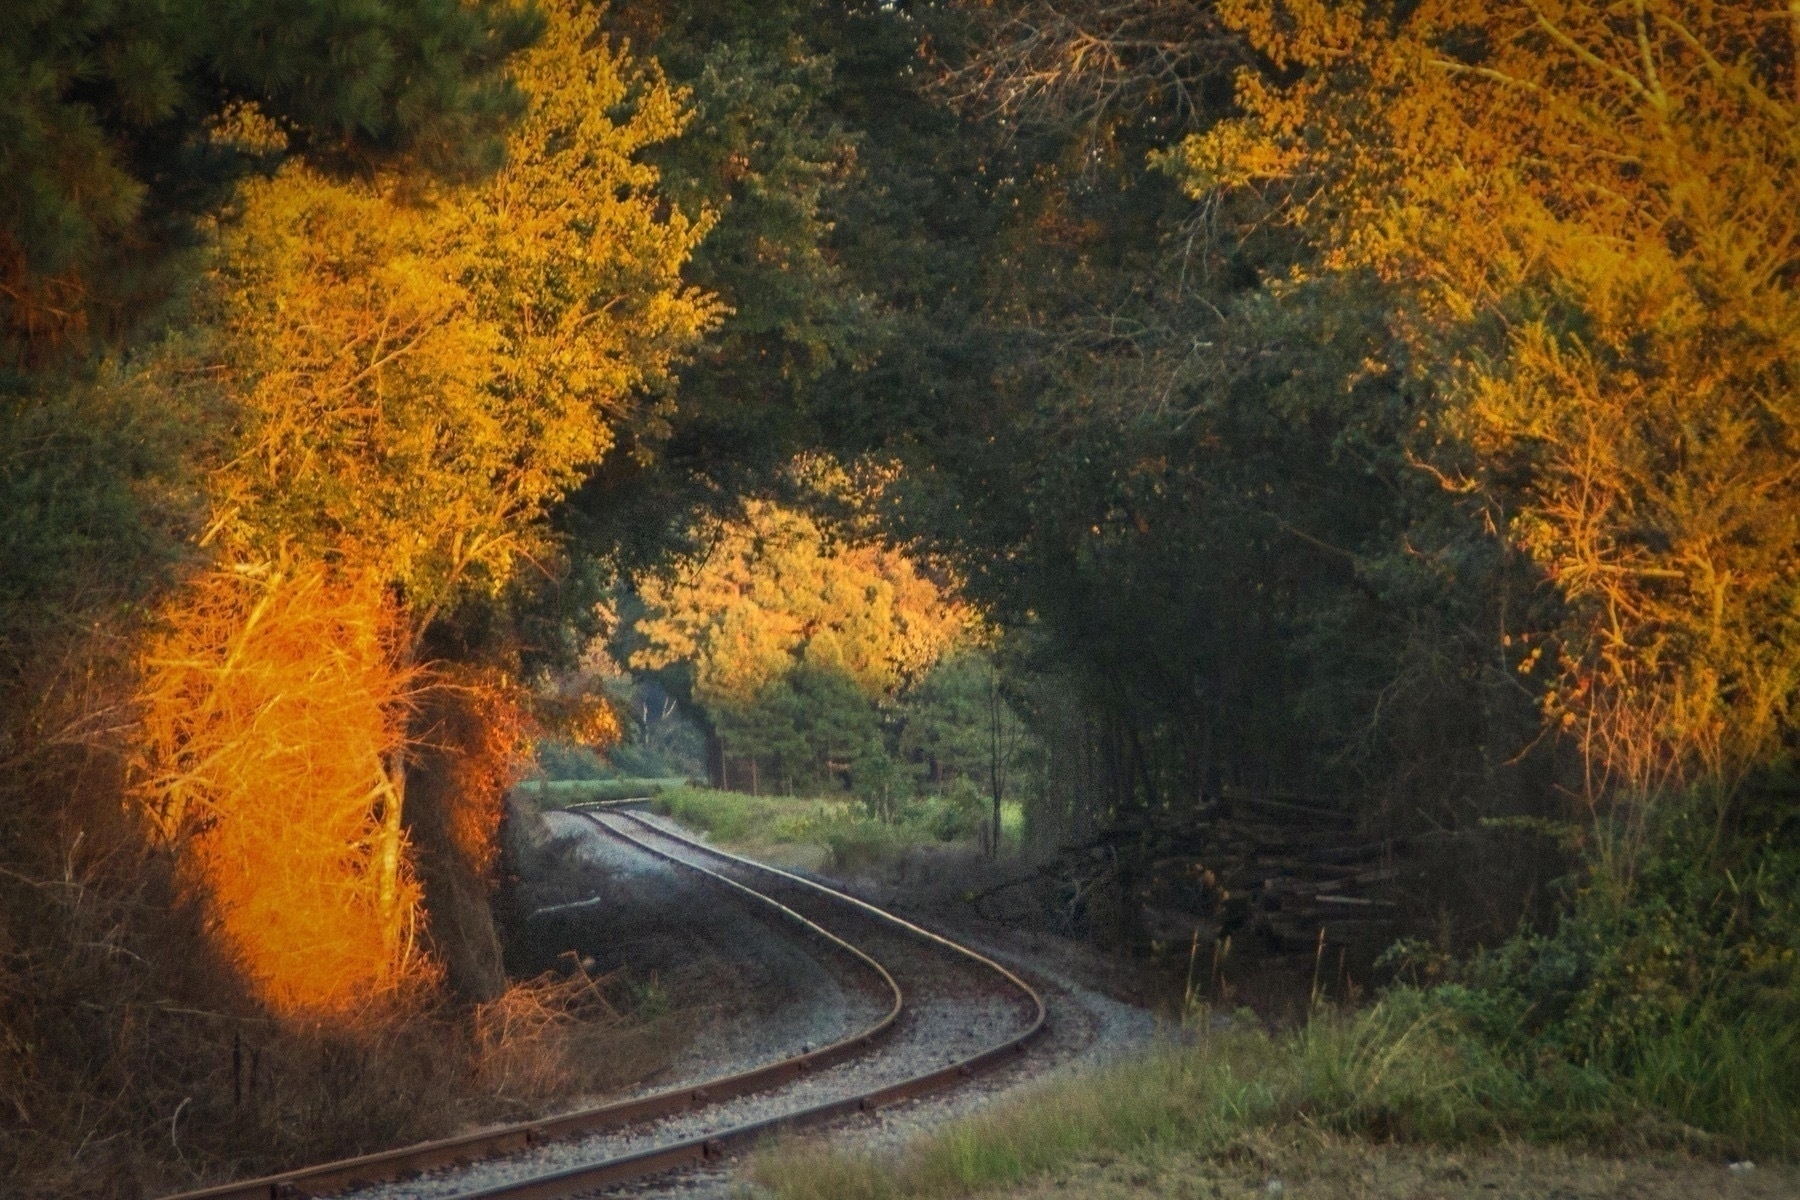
point(1288, 871)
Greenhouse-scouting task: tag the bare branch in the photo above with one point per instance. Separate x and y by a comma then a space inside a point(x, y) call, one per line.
point(1090, 61)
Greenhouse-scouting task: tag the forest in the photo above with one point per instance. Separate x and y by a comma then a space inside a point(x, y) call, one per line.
point(1194, 423)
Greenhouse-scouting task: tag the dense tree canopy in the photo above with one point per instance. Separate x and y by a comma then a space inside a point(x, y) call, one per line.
point(1588, 215)
point(107, 104)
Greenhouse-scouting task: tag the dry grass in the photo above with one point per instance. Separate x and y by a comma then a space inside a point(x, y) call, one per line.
point(141, 1078)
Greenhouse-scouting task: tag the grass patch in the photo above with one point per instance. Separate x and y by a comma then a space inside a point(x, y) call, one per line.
point(850, 837)
point(1403, 1069)
point(1308, 1163)
point(560, 793)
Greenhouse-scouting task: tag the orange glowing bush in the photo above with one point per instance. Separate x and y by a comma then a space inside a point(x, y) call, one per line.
point(273, 714)
point(477, 734)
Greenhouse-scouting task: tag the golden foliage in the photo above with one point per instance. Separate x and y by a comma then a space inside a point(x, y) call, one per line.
point(421, 370)
point(273, 714)
point(774, 591)
point(1592, 211)
point(483, 729)
point(417, 371)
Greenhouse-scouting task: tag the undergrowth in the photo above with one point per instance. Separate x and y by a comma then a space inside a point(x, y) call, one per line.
point(1661, 1011)
point(135, 1060)
point(1405, 1069)
point(559, 793)
point(851, 835)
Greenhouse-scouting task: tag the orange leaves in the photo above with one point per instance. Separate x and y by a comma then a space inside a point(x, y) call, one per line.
point(474, 735)
point(595, 724)
point(272, 715)
point(416, 372)
point(774, 592)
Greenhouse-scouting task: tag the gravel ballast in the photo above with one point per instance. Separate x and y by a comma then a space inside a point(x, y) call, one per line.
point(951, 1014)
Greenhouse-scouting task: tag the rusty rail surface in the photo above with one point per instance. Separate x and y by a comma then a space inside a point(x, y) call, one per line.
point(382, 1166)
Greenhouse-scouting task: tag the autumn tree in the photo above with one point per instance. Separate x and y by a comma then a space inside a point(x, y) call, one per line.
point(792, 630)
point(416, 370)
point(1588, 212)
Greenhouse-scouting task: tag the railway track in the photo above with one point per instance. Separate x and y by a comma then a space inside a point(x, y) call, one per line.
point(953, 1012)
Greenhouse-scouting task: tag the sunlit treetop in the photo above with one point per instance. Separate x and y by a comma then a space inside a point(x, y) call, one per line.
point(778, 589)
point(421, 368)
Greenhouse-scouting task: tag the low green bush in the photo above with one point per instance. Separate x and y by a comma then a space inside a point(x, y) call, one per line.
point(1674, 970)
point(560, 793)
point(751, 820)
point(845, 827)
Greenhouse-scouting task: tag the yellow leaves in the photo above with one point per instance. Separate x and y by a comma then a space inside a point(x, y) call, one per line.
point(423, 370)
point(595, 723)
point(773, 591)
point(417, 372)
point(1300, 31)
point(1589, 212)
point(1232, 154)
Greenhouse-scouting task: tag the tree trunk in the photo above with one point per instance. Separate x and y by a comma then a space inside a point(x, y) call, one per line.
point(994, 757)
point(392, 788)
point(452, 818)
point(716, 772)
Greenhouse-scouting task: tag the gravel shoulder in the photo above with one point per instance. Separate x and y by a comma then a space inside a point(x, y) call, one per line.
point(772, 993)
point(752, 989)
point(777, 993)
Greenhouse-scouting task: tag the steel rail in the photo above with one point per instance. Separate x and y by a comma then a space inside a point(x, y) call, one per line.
point(385, 1165)
point(586, 1177)
point(837, 894)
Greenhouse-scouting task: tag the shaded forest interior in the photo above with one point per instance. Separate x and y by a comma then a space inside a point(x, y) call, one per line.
point(1332, 466)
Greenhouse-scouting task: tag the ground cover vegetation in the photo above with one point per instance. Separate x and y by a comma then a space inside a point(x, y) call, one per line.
point(836, 834)
point(1240, 1110)
point(1331, 464)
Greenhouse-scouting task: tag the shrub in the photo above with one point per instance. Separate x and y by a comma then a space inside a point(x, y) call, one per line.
point(1675, 969)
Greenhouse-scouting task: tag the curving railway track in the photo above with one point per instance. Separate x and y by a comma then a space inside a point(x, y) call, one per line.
point(952, 1013)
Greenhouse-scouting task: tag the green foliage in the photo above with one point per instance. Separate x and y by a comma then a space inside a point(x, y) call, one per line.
point(95, 483)
point(768, 150)
point(851, 835)
point(105, 108)
point(811, 726)
point(812, 730)
point(560, 793)
point(1675, 969)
